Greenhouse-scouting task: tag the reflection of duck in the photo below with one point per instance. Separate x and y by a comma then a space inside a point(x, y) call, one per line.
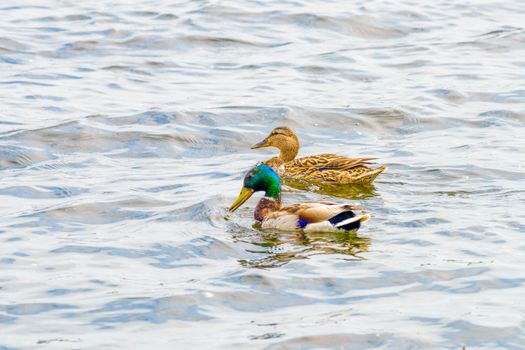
point(321, 168)
point(348, 243)
point(320, 216)
point(349, 191)
point(285, 247)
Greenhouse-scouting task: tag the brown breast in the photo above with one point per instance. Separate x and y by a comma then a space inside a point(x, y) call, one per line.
point(265, 207)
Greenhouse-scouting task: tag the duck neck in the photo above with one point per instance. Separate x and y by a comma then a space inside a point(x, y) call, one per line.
point(274, 191)
point(275, 163)
point(290, 149)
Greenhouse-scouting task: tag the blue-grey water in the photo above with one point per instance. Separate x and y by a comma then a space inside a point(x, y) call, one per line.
point(124, 134)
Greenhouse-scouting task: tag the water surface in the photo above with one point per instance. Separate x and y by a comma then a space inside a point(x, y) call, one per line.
point(125, 132)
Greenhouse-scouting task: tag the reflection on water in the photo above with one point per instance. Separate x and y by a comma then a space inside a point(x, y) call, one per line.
point(279, 248)
point(350, 191)
point(126, 131)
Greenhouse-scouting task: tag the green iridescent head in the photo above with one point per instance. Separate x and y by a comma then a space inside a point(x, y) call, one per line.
point(259, 178)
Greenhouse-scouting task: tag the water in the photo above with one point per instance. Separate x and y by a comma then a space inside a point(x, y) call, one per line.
point(125, 132)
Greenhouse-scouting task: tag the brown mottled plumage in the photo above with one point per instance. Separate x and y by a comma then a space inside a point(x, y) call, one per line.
point(321, 168)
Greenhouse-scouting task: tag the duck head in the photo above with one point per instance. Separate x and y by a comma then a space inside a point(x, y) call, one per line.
point(284, 139)
point(259, 178)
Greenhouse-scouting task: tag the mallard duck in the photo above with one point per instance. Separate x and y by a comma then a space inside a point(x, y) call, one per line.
point(321, 168)
point(320, 216)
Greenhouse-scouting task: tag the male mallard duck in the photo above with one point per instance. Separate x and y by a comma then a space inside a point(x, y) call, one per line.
point(321, 168)
point(311, 216)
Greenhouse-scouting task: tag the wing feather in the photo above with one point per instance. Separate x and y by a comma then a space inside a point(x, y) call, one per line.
point(323, 212)
point(328, 160)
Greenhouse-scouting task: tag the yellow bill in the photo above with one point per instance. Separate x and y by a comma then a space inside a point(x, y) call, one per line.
point(243, 197)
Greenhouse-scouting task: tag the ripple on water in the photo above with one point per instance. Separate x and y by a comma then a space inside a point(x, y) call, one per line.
point(126, 131)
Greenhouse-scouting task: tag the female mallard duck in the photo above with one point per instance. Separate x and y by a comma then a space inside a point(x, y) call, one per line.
point(321, 168)
point(311, 216)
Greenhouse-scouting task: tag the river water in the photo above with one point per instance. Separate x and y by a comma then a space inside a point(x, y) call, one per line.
point(125, 131)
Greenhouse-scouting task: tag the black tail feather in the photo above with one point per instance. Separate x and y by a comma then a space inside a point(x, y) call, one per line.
point(345, 216)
